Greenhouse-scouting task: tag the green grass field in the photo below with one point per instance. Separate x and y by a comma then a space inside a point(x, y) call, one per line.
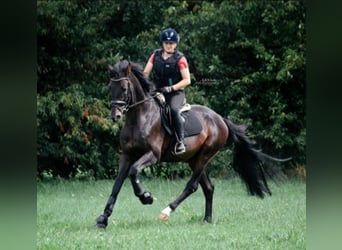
point(66, 213)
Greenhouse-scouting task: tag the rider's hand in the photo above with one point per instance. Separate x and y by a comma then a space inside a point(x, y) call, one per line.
point(166, 89)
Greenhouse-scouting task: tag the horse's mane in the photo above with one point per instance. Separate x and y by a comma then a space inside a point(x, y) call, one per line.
point(147, 85)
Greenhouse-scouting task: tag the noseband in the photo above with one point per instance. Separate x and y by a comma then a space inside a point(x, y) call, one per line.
point(125, 105)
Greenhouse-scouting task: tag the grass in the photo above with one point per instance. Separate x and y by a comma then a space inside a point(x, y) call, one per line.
point(66, 213)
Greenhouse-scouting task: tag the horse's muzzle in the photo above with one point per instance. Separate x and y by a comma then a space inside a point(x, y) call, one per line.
point(116, 115)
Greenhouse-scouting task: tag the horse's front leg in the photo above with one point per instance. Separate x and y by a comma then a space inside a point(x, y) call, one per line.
point(102, 220)
point(146, 160)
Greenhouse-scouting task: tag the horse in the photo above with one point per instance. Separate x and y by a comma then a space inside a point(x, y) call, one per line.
point(144, 142)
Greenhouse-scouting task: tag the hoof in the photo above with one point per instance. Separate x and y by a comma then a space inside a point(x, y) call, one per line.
point(206, 220)
point(102, 221)
point(146, 198)
point(163, 217)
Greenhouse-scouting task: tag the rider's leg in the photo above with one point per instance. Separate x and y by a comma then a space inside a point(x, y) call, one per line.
point(179, 128)
point(176, 100)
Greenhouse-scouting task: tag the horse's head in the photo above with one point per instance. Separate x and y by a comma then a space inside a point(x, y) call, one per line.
point(129, 87)
point(119, 87)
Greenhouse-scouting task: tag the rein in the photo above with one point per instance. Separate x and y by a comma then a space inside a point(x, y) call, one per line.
point(123, 105)
point(142, 101)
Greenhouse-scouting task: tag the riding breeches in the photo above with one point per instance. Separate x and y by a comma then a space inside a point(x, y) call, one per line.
point(176, 100)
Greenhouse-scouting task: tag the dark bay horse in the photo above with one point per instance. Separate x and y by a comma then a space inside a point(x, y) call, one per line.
point(144, 142)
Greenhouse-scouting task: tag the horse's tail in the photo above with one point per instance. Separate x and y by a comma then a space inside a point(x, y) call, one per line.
point(252, 164)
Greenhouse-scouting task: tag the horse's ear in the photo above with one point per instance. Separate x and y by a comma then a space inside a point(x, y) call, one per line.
point(129, 69)
point(112, 71)
point(110, 67)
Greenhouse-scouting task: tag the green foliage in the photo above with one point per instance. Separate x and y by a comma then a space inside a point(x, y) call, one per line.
point(247, 61)
point(74, 135)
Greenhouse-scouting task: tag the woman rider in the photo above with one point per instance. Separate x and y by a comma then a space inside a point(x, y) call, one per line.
point(171, 76)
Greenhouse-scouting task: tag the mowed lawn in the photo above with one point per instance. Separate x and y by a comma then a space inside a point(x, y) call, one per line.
point(66, 213)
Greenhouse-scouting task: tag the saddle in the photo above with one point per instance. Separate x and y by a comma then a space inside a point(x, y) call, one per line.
point(192, 125)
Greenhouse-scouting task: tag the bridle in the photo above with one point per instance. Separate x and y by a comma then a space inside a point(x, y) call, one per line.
point(125, 105)
point(119, 104)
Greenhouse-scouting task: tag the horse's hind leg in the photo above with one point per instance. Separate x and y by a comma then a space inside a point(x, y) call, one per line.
point(197, 165)
point(208, 190)
point(190, 188)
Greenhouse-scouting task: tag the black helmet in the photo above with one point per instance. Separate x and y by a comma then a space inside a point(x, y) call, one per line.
point(169, 35)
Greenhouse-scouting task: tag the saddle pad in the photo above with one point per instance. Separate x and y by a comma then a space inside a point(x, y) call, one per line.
point(192, 125)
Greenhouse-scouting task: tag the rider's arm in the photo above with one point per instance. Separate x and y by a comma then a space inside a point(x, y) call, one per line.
point(185, 73)
point(149, 66)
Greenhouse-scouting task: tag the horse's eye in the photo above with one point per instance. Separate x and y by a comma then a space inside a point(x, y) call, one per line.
point(113, 74)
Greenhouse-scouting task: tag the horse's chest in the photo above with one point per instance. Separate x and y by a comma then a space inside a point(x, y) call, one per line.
point(133, 138)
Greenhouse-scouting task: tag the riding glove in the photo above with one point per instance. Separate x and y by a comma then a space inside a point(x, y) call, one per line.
point(167, 89)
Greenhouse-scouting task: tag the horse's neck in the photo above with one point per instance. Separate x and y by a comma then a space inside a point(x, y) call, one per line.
point(139, 94)
point(145, 111)
point(143, 115)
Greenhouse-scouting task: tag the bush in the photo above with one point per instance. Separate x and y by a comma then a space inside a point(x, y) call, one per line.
point(247, 62)
point(75, 135)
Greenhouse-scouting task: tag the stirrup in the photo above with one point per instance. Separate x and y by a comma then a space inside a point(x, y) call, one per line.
point(180, 150)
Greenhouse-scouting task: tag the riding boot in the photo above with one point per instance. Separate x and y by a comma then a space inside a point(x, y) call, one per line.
point(179, 129)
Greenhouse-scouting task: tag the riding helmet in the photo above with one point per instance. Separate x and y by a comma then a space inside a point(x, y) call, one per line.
point(169, 35)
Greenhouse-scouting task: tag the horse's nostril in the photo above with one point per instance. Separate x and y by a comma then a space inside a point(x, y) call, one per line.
point(118, 117)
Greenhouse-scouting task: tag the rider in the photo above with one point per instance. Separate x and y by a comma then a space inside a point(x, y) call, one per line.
point(171, 76)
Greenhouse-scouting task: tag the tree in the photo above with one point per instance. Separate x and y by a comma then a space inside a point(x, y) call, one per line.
point(247, 61)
